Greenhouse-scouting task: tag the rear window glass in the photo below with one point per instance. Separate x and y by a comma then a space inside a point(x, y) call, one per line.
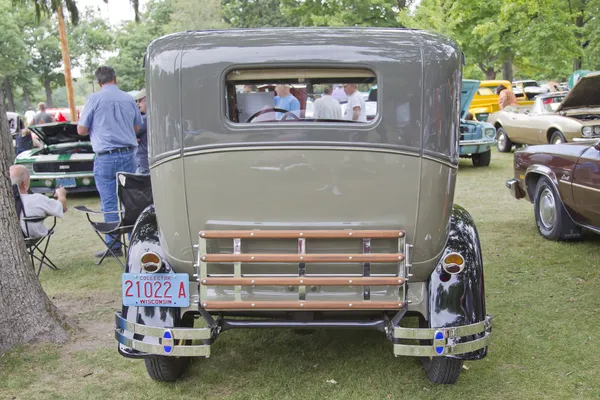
point(301, 95)
point(485, 91)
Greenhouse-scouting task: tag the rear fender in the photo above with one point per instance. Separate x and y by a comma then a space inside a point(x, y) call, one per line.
point(144, 238)
point(456, 300)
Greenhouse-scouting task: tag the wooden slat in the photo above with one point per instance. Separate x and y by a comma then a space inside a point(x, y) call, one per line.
point(309, 234)
point(302, 305)
point(306, 258)
point(291, 281)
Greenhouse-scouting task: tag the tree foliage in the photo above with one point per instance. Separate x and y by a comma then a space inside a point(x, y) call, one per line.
point(382, 13)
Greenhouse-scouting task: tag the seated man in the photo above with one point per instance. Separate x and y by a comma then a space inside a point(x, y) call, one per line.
point(37, 205)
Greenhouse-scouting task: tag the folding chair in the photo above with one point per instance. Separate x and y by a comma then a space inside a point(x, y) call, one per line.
point(134, 194)
point(36, 246)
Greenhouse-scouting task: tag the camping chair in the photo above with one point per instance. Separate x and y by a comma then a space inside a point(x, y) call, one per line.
point(134, 194)
point(36, 246)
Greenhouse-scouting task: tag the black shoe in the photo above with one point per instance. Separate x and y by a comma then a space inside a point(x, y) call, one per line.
point(117, 252)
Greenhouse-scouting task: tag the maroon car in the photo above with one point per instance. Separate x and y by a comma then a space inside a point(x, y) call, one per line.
point(563, 183)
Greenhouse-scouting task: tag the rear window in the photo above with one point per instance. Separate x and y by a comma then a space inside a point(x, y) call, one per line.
point(301, 95)
point(485, 91)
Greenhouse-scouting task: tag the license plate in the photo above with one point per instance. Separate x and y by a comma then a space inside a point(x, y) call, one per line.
point(66, 182)
point(156, 290)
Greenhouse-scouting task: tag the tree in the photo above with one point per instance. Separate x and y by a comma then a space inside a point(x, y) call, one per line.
point(12, 54)
point(255, 14)
point(382, 13)
point(195, 15)
point(134, 38)
point(26, 314)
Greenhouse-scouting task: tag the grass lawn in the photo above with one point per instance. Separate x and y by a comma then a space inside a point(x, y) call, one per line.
point(545, 298)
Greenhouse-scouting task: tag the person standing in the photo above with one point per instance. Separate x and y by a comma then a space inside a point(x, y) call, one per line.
point(327, 107)
point(141, 155)
point(355, 108)
point(111, 118)
point(42, 117)
point(505, 97)
point(286, 101)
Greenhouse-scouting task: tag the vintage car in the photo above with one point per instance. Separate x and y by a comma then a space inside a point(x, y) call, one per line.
point(476, 137)
point(64, 159)
point(563, 183)
point(292, 222)
point(556, 117)
point(485, 101)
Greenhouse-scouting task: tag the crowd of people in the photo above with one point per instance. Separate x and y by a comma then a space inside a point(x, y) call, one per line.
point(116, 124)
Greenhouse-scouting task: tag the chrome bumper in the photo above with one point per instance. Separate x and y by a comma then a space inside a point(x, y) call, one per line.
point(184, 342)
point(515, 188)
point(176, 342)
point(478, 142)
point(445, 341)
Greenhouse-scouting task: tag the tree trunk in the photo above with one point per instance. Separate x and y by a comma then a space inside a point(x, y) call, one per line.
point(64, 47)
point(507, 70)
point(490, 74)
point(27, 314)
point(48, 89)
point(577, 62)
point(27, 99)
point(9, 94)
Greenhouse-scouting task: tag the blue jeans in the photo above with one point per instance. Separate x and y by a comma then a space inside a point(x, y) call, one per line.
point(106, 167)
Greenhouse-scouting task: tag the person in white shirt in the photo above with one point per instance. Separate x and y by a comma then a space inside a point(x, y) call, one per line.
point(327, 107)
point(37, 205)
point(355, 108)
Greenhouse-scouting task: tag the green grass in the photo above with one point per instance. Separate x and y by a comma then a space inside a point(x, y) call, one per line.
point(544, 297)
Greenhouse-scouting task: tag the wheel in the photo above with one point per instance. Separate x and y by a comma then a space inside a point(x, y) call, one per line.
point(442, 370)
point(551, 217)
point(557, 138)
point(482, 159)
point(166, 369)
point(504, 144)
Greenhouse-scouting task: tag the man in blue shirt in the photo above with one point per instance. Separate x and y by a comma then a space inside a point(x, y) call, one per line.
point(111, 118)
point(285, 100)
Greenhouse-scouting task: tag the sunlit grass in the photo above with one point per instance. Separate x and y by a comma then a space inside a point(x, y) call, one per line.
point(544, 297)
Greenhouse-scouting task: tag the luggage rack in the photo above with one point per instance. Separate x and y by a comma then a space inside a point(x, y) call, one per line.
point(237, 279)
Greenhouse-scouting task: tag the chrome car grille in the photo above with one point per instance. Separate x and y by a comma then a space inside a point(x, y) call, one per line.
point(67, 166)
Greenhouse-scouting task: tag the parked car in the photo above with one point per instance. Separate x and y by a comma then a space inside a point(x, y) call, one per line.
point(476, 137)
point(485, 101)
point(266, 224)
point(530, 88)
point(65, 159)
point(556, 117)
point(563, 183)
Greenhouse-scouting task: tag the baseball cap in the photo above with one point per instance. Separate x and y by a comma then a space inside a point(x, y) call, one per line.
point(140, 95)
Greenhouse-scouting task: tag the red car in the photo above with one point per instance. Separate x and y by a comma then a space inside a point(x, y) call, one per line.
point(563, 183)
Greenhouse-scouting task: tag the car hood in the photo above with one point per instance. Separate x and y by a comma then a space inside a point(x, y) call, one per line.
point(57, 133)
point(469, 88)
point(586, 93)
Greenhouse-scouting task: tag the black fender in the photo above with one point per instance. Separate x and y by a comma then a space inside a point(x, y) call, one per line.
point(144, 238)
point(456, 300)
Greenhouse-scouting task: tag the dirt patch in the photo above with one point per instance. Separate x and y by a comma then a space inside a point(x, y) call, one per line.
point(94, 315)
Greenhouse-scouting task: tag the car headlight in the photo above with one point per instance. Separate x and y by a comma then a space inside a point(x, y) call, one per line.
point(490, 133)
point(587, 130)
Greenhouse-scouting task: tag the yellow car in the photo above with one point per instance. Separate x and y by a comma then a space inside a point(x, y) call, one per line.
point(485, 101)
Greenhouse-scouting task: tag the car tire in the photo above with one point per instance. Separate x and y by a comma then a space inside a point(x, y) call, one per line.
point(504, 144)
point(441, 370)
point(482, 159)
point(551, 217)
point(557, 138)
point(166, 369)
